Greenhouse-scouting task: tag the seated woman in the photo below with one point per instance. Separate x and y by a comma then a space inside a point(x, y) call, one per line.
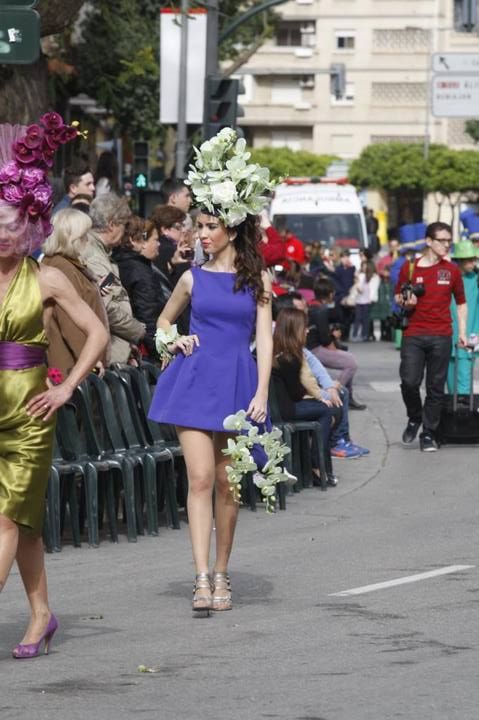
point(140, 277)
point(300, 397)
point(62, 250)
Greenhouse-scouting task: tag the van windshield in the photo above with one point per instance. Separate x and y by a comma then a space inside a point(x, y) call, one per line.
point(341, 230)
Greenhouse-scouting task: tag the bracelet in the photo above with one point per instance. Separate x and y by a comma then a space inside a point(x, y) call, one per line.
point(164, 338)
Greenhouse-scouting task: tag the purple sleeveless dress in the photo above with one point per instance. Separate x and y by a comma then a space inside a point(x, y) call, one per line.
point(220, 377)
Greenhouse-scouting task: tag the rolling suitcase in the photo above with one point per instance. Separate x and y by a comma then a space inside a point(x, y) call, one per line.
point(460, 417)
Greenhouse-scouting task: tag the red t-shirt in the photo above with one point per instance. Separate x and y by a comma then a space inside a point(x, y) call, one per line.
point(432, 314)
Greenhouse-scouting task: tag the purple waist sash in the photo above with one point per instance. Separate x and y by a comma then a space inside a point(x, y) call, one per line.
point(15, 356)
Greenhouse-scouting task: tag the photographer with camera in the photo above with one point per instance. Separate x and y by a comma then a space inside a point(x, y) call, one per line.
point(423, 292)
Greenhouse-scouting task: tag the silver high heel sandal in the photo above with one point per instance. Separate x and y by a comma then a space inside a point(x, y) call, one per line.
point(201, 601)
point(221, 581)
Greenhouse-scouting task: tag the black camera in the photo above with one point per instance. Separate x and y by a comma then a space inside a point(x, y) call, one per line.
point(401, 318)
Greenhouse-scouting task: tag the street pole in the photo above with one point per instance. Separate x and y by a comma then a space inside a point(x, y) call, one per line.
point(181, 140)
point(212, 38)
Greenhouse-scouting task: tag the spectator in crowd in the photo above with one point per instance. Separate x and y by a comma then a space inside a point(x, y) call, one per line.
point(333, 391)
point(426, 343)
point(272, 246)
point(77, 178)
point(298, 394)
point(294, 247)
point(386, 260)
point(62, 250)
point(322, 343)
point(109, 215)
point(82, 202)
point(140, 277)
point(372, 227)
point(381, 310)
point(176, 194)
point(465, 255)
point(367, 293)
point(106, 176)
point(175, 253)
point(343, 280)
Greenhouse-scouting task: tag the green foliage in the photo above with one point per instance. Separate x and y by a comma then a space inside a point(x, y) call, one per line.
point(284, 162)
point(117, 62)
point(390, 166)
point(261, 25)
point(471, 127)
point(398, 167)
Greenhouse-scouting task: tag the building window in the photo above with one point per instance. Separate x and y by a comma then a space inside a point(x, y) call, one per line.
point(406, 40)
point(398, 94)
point(296, 34)
point(459, 15)
point(286, 138)
point(307, 82)
point(348, 98)
point(285, 90)
point(345, 40)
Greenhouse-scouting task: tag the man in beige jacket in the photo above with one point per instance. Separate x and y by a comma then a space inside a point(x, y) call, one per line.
point(109, 214)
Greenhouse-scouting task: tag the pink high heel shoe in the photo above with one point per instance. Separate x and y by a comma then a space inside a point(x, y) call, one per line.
point(23, 652)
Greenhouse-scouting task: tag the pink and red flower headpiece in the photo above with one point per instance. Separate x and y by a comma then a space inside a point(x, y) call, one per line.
point(26, 156)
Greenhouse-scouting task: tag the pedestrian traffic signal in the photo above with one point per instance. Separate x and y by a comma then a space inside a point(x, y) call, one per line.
point(140, 164)
point(19, 34)
point(221, 104)
point(337, 73)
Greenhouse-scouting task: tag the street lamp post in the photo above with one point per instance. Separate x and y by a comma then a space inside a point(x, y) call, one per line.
point(181, 140)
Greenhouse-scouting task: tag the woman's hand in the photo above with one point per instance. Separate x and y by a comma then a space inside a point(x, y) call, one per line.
point(258, 408)
point(185, 344)
point(46, 403)
point(335, 397)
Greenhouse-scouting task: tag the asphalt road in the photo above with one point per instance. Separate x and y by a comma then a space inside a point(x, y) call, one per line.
point(291, 648)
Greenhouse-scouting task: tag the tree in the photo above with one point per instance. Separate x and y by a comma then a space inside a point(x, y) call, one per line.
point(471, 128)
point(24, 88)
point(284, 162)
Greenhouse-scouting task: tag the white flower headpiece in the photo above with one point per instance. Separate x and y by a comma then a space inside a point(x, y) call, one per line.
point(224, 183)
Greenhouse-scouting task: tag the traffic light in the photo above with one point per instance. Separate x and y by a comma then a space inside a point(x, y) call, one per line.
point(221, 104)
point(19, 32)
point(469, 15)
point(337, 74)
point(140, 165)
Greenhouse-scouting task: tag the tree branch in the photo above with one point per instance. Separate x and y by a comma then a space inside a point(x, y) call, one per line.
point(56, 15)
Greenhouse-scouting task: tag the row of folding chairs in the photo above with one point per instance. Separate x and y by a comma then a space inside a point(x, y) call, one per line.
point(109, 457)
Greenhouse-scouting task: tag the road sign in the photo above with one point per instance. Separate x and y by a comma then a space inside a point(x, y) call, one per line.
point(19, 36)
point(455, 95)
point(455, 62)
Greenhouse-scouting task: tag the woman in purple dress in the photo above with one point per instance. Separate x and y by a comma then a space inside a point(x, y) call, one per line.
point(212, 373)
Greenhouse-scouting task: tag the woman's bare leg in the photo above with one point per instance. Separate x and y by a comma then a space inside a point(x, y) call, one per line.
point(199, 457)
point(8, 547)
point(31, 563)
point(226, 510)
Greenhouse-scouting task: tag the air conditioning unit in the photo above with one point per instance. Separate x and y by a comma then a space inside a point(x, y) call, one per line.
point(307, 83)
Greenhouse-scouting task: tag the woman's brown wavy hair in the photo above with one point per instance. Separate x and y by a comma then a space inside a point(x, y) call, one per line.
point(288, 336)
point(248, 262)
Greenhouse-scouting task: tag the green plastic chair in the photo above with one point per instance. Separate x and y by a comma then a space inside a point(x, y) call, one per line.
point(99, 445)
point(137, 441)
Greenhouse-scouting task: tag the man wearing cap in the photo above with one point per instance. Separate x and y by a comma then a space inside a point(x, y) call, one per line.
point(427, 340)
point(465, 254)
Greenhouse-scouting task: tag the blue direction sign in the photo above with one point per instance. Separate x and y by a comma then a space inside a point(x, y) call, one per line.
point(19, 35)
point(18, 3)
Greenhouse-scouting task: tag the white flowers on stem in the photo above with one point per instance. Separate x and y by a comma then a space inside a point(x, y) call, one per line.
point(224, 183)
point(242, 462)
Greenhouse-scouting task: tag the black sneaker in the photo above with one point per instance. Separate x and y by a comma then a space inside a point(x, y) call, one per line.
point(427, 443)
point(412, 429)
point(354, 405)
point(332, 480)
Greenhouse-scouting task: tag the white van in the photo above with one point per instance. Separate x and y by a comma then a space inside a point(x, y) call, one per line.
point(326, 211)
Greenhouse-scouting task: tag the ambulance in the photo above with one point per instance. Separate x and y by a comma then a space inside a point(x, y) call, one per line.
point(327, 211)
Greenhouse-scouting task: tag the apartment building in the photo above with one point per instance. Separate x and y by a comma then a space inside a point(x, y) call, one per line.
point(387, 48)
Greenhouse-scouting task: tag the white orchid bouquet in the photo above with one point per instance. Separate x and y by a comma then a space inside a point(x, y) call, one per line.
point(224, 183)
point(242, 461)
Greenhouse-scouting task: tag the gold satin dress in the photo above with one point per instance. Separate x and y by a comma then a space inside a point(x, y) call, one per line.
point(26, 443)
